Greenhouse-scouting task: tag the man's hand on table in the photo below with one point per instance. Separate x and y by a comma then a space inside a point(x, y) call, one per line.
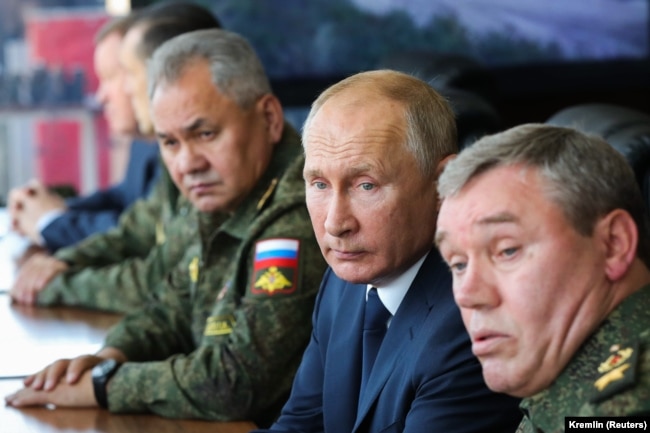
point(65, 383)
point(36, 273)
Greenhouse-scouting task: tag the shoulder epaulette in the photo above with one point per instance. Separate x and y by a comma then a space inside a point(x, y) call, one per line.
point(617, 372)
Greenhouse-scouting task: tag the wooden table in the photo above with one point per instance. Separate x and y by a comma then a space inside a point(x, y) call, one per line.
point(32, 337)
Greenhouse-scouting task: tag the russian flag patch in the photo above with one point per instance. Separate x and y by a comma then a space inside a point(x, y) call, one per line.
point(275, 267)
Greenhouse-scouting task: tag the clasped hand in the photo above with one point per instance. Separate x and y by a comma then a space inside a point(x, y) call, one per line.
point(66, 383)
point(28, 204)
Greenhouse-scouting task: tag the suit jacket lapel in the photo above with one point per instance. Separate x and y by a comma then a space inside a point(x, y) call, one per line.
point(412, 313)
point(343, 369)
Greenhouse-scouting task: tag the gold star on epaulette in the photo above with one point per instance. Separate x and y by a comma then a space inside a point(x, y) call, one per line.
point(618, 357)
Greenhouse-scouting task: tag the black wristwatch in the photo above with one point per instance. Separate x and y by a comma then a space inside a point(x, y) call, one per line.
point(101, 374)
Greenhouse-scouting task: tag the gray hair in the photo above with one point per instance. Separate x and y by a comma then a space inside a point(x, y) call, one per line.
point(236, 70)
point(586, 177)
point(431, 128)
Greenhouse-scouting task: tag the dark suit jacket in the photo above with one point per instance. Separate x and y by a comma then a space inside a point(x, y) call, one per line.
point(100, 211)
point(425, 378)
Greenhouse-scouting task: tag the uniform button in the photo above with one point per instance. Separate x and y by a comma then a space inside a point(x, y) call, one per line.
point(183, 211)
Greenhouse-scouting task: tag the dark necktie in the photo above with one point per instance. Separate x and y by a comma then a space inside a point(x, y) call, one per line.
point(375, 322)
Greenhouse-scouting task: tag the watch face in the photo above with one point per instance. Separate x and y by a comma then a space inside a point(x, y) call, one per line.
point(104, 367)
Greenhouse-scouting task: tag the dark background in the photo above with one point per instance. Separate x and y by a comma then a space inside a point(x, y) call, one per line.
point(528, 81)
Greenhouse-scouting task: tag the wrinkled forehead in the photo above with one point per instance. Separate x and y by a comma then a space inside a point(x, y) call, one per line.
point(501, 194)
point(351, 119)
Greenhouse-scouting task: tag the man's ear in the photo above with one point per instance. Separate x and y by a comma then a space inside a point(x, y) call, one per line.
point(620, 236)
point(439, 169)
point(270, 107)
point(443, 163)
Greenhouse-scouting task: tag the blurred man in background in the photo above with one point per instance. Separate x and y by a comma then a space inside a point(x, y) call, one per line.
point(132, 257)
point(49, 220)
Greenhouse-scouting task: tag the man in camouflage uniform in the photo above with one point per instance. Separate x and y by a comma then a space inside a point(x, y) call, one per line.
point(226, 333)
point(546, 234)
point(115, 271)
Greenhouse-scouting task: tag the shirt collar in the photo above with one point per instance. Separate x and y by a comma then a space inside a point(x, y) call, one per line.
point(393, 293)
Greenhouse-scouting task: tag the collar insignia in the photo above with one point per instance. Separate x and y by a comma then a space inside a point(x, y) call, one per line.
point(194, 270)
point(160, 233)
point(617, 372)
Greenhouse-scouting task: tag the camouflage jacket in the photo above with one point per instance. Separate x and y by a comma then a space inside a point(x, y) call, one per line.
point(116, 270)
point(226, 336)
point(138, 230)
point(608, 376)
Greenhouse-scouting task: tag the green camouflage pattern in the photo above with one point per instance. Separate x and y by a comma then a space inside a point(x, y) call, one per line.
point(135, 234)
point(212, 347)
point(127, 285)
point(572, 391)
point(117, 270)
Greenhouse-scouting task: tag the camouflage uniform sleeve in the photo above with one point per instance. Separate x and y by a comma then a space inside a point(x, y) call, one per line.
point(250, 347)
point(121, 288)
point(137, 231)
point(127, 285)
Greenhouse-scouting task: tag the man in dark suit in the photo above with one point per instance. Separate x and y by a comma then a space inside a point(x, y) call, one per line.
point(374, 146)
point(53, 222)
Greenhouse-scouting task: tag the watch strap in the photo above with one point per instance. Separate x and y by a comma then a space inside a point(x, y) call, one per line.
point(101, 374)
